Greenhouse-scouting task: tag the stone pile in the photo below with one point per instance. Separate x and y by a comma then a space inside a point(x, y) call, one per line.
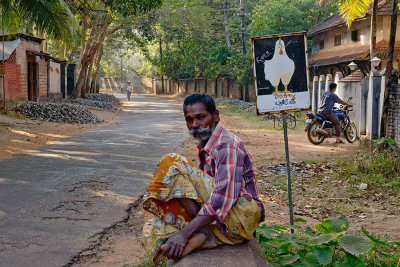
point(95, 103)
point(232, 101)
point(301, 168)
point(103, 97)
point(57, 112)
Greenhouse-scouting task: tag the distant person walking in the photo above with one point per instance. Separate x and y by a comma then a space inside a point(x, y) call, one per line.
point(129, 90)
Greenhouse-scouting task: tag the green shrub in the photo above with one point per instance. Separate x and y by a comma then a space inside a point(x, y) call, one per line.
point(329, 245)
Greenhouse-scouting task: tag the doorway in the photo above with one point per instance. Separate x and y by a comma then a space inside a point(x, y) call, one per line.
point(32, 81)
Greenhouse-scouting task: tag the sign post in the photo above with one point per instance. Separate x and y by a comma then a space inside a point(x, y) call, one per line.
point(280, 67)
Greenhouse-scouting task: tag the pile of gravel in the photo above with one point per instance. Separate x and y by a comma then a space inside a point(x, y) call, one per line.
point(57, 112)
point(103, 97)
point(251, 107)
point(94, 103)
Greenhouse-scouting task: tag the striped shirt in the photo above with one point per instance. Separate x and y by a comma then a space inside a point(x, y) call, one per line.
point(225, 158)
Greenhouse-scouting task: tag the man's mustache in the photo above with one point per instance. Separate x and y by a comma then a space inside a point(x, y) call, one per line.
point(199, 130)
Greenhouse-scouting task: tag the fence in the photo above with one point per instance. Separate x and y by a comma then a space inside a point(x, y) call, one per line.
point(220, 87)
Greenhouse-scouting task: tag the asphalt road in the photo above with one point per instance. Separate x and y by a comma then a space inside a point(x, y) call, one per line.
point(54, 201)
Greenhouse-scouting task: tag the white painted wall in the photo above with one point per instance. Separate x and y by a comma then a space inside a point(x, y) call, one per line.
point(55, 78)
point(352, 89)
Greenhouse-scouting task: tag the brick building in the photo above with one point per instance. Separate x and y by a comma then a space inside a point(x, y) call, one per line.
point(28, 71)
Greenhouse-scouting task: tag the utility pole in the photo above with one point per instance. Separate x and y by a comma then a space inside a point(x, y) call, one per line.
point(162, 76)
point(4, 63)
point(242, 15)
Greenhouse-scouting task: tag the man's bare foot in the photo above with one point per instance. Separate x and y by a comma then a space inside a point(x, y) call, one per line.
point(196, 241)
point(211, 241)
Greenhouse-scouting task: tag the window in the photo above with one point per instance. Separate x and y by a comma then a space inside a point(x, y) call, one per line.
point(321, 44)
point(354, 36)
point(338, 40)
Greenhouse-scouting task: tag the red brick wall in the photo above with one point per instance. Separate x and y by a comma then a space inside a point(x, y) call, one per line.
point(13, 58)
point(13, 82)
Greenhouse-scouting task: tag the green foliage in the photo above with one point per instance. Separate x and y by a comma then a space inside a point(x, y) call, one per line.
point(285, 16)
point(351, 9)
point(194, 35)
point(380, 170)
point(53, 17)
point(332, 246)
point(385, 143)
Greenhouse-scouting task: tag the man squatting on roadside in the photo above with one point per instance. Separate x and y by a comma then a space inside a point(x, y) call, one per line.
point(201, 207)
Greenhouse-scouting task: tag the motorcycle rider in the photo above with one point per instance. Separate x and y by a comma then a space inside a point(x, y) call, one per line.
point(328, 100)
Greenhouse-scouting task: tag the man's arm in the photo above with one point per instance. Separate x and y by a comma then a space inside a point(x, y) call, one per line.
point(345, 103)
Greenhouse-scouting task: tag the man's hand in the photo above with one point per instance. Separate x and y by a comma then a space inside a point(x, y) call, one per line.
point(174, 247)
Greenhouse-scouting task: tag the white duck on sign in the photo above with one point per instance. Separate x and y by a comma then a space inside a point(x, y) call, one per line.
point(279, 68)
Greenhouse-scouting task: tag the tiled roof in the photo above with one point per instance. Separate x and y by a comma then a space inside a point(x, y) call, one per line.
point(335, 57)
point(381, 50)
point(356, 76)
point(335, 20)
point(385, 8)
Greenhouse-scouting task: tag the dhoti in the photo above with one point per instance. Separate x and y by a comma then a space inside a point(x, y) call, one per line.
point(176, 177)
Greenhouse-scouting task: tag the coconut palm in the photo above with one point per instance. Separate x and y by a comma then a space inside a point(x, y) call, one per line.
point(52, 17)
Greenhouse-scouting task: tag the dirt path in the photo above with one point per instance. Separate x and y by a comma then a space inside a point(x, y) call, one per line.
point(18, 136)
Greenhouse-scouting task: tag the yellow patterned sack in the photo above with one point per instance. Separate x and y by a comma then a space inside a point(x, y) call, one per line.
point(176, 177)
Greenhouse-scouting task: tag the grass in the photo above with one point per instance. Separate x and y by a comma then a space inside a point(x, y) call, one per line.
point(261, 122)
point(9, 110)
point(380, 170)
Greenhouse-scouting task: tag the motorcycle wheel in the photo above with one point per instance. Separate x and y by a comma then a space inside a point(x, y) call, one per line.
point(312, 136)
point(351, 133)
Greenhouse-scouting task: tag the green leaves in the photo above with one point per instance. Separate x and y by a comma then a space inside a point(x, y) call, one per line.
point(333, 225)
point(332, 246)
point(354, 244)
point(351, 9)
point(323, 254)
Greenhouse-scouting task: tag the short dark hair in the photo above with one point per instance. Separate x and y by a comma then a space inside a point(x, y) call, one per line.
point(206, 99)
point(332, 86)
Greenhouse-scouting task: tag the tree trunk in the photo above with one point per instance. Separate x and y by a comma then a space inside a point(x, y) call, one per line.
point(389, 68)
point(162, 76)
point(89, 76)
point(227, 33)
point(95, 79)
point(372, 40)
point(85, 62)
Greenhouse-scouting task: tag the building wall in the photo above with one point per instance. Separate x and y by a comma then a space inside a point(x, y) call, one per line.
point(21, 58)
point(12, 82)
point(55, 78)
point(385, 28)
point(346, 41)
point(353, 89)
point(43, 78)
point(382, 33)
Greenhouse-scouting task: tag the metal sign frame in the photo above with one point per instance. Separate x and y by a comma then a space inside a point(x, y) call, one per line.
point(307, 96)
point(278, 94)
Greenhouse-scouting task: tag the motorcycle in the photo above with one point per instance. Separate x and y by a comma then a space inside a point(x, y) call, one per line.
point(318, 127)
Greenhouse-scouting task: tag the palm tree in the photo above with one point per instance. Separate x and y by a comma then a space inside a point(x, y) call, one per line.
point(52, 17)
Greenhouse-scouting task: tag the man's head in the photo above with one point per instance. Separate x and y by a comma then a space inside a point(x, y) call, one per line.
point(201, 115)
point(332, 87)
point(128, 82)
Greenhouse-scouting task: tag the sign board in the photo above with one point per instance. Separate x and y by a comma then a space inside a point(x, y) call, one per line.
point(280, 68)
